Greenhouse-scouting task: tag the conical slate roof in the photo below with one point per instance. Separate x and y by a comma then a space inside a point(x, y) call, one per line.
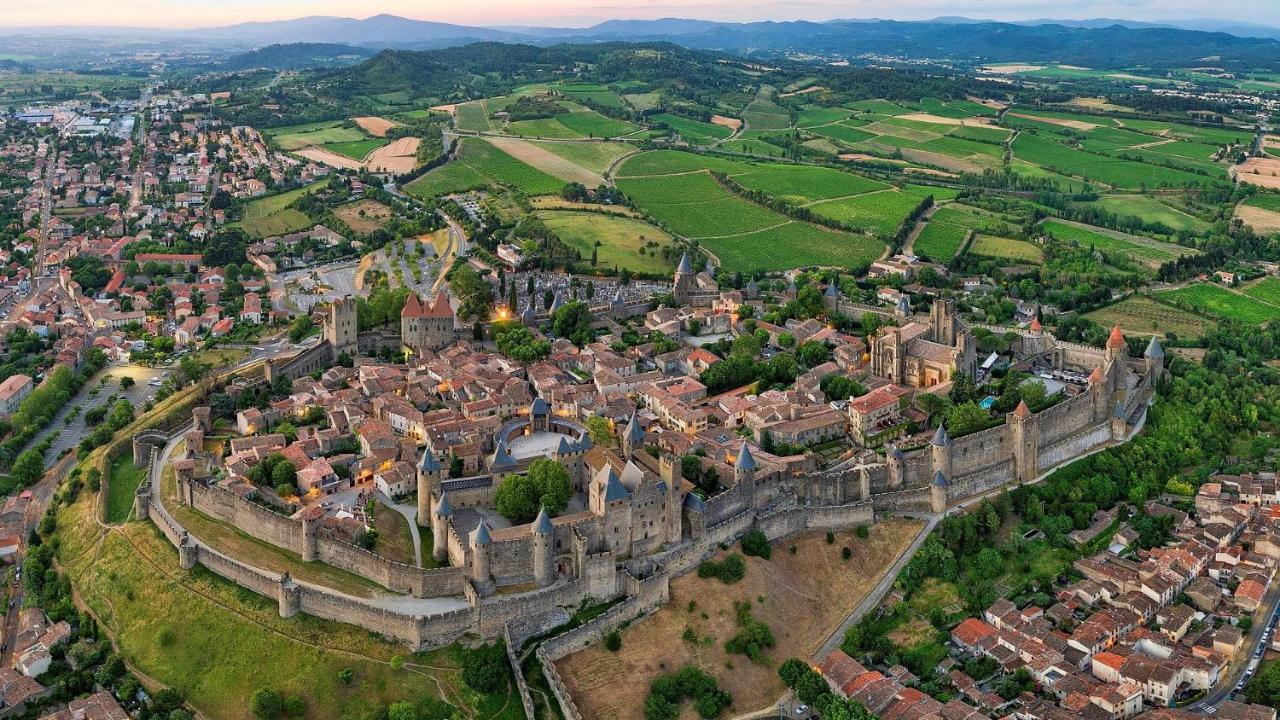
point(940, 438)
point(1154, 351)
point(428, 464)
point(443, 508)
point(635, 433)
point(613, 488)
point(685, 265)
point(480, 536)
point(542, 524)
point(502, 458)
point(939, 479)
point(744, 461)
point(894, 452)
point(564, 448)
point(832, 291)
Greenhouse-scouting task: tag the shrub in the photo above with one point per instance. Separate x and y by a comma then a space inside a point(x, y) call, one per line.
point(613, 641)
point(756, 544)
point(846, 553)
point(831, 538)
point(668, 691)
point(266, 704)
point(484, 669)
point(862, 532)
point(730, 570)
point(753, 637)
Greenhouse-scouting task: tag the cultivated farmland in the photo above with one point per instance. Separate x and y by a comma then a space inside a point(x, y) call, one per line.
point(271, 215)
point(1217, 300)
point(1148, 252)
point(1140, 314)
point(485, 164)
point(1009, 248)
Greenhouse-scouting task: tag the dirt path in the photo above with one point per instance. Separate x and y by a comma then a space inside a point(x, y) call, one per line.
point(909, 247)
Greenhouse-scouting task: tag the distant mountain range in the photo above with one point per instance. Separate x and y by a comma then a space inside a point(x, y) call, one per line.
point(1097, 42)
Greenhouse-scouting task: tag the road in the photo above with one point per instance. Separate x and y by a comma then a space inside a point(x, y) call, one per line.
point(1235, 671)
point(135, 192)
point(46, 205)
point(878, 592)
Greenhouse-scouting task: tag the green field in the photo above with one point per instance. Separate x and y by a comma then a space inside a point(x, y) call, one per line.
point(763, 114)
point(296, 137)
point(482, 160)
point(1149, 210)
point(813, 115)
point(475, 116)
point(356, 150)
point(1128, 174)
point(1141, 250)
point(793, 245)
point(621, 239)
point(1266, 290)
point(579, 122)
point(594, 156)
point(1221, 302)
point(878, 212)
point(694, 132)
point(943, 236)
point(1009, 248)
point(1139, 314)
point(1264, 202)
point(121, 488)
point(271, 215)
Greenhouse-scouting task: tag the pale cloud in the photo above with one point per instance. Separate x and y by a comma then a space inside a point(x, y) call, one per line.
point(198, 13)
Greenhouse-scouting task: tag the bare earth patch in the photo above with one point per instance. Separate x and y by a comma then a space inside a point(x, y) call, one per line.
point(374, 216)
point(555, 202)
point(399, 156)
point(940, 120)
point(546, 161)
point(871, 158)
point(806, 91)
point(1262, 221)
point(375, 126)
point(731, 123)
point(1012, 68)
point(1260, 171)
point(929, 171)
point(945, 162)
point(803, 597)
point(1073, 124)
point(328, 157)
point(451, 109)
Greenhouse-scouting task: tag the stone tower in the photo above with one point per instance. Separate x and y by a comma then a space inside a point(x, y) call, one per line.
point(430, 473)
point(440, 528)
point(744, 472)
point(570, 455)
point(685, 281)
point(1114, 357)
point(1098, 395)
point(1024, 430)
point(669, 466)
point(893, 458)
point(942, 318)
point(1154, 359)
point(543, 538)
point(938, 493)
point(632, 437)
point(340, 326)
point(940, 448)
point(481, 545)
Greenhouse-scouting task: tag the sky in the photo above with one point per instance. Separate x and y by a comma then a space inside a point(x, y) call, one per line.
point(580, 13)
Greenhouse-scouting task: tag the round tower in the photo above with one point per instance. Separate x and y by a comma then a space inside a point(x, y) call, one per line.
point(289, 596)
point(430, 473)
point(481, 545)
point(543, 537)
point(893, 457)
point(310, 533)
point(440, 528)
point(940, 447)
point(938, 493)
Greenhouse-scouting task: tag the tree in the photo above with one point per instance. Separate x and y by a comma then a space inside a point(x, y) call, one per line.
point(485, 668)
point(520, 344)
point(126, 382)
point(402, 711)
point(284, 474)
point(266, 704)
point(546, 484)
point(28, 468)
point(300, 328)
point(572, 321)
point(599, 431)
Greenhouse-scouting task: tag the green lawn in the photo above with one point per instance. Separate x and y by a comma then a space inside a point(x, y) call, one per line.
point(271, 215)
point(121, 488)
point(1010, 248)
point(621, 240)
point(296, 137)
point(1149, 210)
point(356, 150)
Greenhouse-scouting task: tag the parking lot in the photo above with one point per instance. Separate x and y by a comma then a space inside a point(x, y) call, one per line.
point(96, 393)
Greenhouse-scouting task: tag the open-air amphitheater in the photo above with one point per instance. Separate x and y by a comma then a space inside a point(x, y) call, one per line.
point(642, 526)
